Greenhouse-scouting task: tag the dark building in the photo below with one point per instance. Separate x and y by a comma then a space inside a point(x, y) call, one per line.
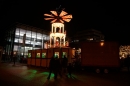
point(86, 35)
point(20, 38)
point(1, 51)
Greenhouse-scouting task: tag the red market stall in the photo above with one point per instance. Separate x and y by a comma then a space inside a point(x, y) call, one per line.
point(33, 60)
point(44, 58)
point(41, 57)
point(29, 57)
point(64, 52)
point(57, 52)
point(49, 55)
point(38, 57)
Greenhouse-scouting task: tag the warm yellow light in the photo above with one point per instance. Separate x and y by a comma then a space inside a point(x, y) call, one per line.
point(61, 21)
point(56, 17)
point(48, 18)
point(58, 35)
point(67, 16)
point(63, 13)
point(57, 24)
point(67, 20)
point(102, 43)
point(48, 15)
point(53, 20)
point(54, 13)
point(14, 53)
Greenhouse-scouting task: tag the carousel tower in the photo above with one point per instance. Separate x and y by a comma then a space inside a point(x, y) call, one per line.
point(58, 33)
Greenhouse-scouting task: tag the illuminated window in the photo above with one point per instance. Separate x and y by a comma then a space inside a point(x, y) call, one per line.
point(64, 54)
point(90, 39)
point(56, 54)
point(15, 47)
point(39, 36)
point(76, 40)
point(38, 55)
point(43, 55)
point(29, 54)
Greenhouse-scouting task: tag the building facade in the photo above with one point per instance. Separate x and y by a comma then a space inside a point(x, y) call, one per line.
point(20, 38)
point(1, 51)
point(86, 35)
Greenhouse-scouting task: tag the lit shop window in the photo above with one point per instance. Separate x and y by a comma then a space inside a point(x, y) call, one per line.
point(43, 55)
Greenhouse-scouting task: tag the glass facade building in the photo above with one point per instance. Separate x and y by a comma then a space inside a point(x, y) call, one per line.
point(22, 38)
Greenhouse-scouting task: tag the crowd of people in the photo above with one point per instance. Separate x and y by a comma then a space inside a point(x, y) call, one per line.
point(59, 67)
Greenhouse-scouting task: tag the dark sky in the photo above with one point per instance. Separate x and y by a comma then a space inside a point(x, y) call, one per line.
point(111, 18)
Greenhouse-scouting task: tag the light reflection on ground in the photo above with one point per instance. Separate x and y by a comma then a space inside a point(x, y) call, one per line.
point(32, 76)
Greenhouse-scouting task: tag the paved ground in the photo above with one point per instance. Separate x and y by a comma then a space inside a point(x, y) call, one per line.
point(22, 75)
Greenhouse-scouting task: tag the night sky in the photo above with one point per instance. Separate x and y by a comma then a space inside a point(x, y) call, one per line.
point(111, 18)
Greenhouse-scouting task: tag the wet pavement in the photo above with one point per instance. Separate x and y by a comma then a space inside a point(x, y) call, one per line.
point(23, 75)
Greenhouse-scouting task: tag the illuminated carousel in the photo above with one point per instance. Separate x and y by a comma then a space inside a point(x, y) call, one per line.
point(58, 33)
point(57, 45)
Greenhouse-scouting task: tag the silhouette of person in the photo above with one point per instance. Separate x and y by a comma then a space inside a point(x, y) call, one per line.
point(69, 69)
point(64, 63)
point(57, 67)
point(51, 67)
